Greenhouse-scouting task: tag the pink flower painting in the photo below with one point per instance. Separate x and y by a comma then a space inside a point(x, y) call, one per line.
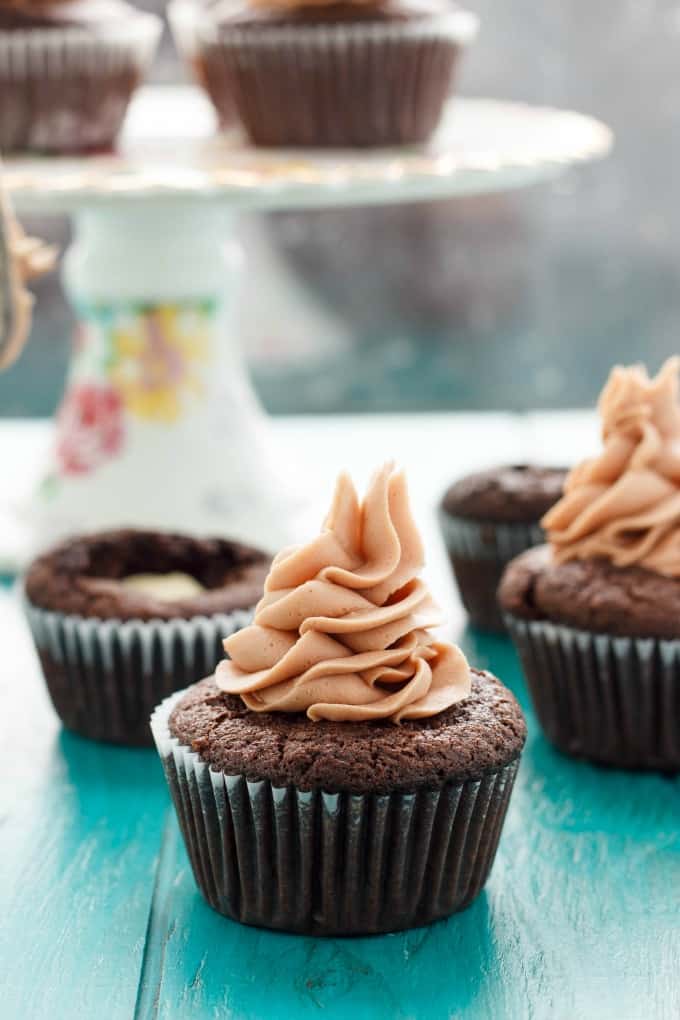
point(90, 428)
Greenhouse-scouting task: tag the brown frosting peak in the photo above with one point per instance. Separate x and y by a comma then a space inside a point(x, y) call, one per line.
point(342, 632)
point(624, 506)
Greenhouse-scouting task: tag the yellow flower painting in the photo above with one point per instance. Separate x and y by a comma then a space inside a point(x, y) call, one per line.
point(157, 355)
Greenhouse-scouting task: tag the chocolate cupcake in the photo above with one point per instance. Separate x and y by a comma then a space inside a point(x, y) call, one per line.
point(121, 619)
point(70, 67)
point(487, 519)
point(343, 772)
point(595, 613)
point(319, 73)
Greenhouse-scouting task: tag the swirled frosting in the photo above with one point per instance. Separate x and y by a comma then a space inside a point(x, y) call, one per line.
point(624, 505)
point(343, 630)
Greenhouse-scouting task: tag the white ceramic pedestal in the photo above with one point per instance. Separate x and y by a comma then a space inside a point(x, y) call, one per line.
point(154, 290)
point(159, 425)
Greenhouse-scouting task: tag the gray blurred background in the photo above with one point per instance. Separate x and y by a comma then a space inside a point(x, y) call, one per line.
point(512, 301)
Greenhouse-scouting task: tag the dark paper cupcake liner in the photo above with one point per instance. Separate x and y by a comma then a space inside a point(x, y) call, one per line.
point(105, 677)
point(70, 87)
point(479, 553)
point(332, 863)
point(349, 84)
point(613, 700)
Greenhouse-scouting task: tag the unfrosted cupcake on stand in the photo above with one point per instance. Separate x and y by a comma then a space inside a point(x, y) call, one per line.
point(595, 613)
point(319, 73)
point(343, 772)
point(68, 69)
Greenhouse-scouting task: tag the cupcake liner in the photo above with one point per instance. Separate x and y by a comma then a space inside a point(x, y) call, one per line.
point(614, 700)
point(324, 863)
point(105, 677)
point(349, 84)
point(488, 540)
point(479, 552)
point(71, 87)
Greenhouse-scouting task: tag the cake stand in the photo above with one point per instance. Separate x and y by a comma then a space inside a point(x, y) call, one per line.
point(159, 425)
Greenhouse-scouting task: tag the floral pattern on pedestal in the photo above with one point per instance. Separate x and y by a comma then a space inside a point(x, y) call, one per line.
point(157, 354)
point(90, 428)
point(136, 360)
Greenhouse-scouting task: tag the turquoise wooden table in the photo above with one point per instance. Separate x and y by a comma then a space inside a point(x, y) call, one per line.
point(100, 917)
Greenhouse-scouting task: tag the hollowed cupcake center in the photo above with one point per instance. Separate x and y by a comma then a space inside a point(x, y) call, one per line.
point(171, 587)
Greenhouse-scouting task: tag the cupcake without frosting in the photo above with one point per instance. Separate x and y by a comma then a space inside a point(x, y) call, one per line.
point(319, 73)
point(365, 764)
point(489, 517)
point(595, 612)
point(71, 67)
point(120, 619)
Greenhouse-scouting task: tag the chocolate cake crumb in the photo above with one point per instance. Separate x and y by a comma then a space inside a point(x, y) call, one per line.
point(592, 595)
point(519, 493)
point(480, 734)
point(82, 576)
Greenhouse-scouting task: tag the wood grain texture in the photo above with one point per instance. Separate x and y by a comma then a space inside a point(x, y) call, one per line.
point(81, 828)
point(99, 913)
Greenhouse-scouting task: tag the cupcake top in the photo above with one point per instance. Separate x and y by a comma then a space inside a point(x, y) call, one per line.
point(613, 560)
point(512, 494)
point(143, 575)
point(482, 733)
point(273, 12)
point(343, 630)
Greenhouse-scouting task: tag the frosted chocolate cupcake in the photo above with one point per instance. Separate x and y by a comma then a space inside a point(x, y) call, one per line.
point(70, 67)
point(319, 73)
point(343, 772)
point(489, 517)
point(596, 613)
point(121, 619)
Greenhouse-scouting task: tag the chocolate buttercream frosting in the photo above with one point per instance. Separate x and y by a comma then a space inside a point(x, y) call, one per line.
point(343, 630)
point(624, 505)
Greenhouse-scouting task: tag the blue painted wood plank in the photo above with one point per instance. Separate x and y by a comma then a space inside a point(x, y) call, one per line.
point(99, 913)
point(81, 827)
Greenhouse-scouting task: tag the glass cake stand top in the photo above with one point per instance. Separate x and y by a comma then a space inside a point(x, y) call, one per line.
point(159, 425)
